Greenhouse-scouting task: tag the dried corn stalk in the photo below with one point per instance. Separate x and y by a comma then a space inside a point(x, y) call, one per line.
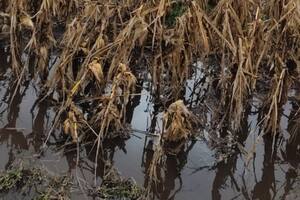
point(246, 35)
point(113, 107)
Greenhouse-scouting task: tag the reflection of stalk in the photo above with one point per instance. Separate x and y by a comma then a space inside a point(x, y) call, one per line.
point(262, 189)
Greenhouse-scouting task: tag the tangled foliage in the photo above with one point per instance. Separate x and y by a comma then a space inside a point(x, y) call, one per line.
point(179, 122)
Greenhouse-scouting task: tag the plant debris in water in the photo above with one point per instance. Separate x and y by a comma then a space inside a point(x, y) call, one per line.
point(11, 179)
point(34, 183)
point(38, 184)
point(125, 189)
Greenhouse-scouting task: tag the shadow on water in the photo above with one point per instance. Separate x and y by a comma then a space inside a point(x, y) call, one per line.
point(193, 172)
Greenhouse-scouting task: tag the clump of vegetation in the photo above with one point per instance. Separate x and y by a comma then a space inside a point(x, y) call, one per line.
point(179, 122)
point(34, 183)
point(11, 179)
point(57, 188)
point(125, 189)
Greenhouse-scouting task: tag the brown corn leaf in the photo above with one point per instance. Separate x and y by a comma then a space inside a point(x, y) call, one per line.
point(96, 69)
point(26, 21)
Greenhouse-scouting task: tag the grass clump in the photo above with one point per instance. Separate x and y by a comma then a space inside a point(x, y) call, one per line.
point(120, 190)
point(19, 178)
point(34, 183)
point(56, 188)
point(11, 179)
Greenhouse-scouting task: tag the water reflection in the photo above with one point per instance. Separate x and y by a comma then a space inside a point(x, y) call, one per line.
point(106, 157)
point(265, 189)
point(165, 187)
point(37, 136)
point(10, 134)
point(226, 168)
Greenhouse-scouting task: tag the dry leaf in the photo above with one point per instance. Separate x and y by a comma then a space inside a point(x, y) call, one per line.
point(26, 21)
point(96, 69)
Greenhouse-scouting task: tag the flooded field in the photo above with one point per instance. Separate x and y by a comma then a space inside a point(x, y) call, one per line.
point(203, 168)
point(139, 99)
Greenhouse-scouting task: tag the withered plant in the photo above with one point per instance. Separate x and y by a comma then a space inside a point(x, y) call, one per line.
point(179, 122)
point(95, 43)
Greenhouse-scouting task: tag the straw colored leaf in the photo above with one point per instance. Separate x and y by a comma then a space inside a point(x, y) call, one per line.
point(96, 69)
point(26, 21)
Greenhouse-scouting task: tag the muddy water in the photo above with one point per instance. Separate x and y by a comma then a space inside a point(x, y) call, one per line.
point(196, 172)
